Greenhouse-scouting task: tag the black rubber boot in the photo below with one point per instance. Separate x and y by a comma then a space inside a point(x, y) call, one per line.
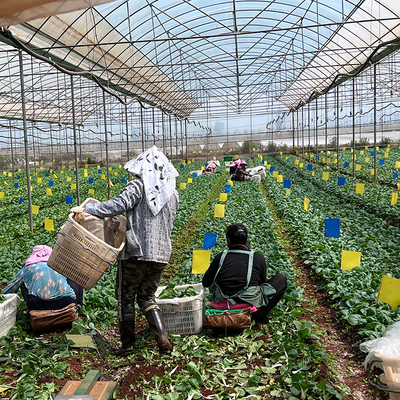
point(157, 327)
point(127, 334)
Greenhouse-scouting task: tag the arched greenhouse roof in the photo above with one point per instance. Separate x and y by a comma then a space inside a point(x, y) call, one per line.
point(176, 54)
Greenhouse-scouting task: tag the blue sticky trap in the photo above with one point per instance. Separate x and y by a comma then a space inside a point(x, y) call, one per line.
point(120, 191)
point(346, 164)
point(395, 175)
point(182, 166)
point(318, 157)
point(372, 153)
point(272, 169)
point(381, 161)
point(332, 227)
point(69, 199)
point(123, 180)
point(227, 188)
point(99, 171)
point(18, 177)
point(309, 167)
point(341, 180)
point(21, 200)
point(90, 180)
point(124, 155)
point(287, 183)
point(287, 160)
point(194, 175)
point(46, 174)
point(16, 185)
point(51, 183)
point(94, 158)
point(209, 240)
point(74, 172)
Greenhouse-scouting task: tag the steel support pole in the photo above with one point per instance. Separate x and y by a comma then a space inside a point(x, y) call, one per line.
point(154, 126)
point(309, 131)
point(354, 128)
point(23, 105)
point(78, 200)
point(106, 144)
point(186, 136)
point(127, 131)
point(170, 134)
point(375, 174)
point(337, 127)
point(141, 127)
point(316, 131)
point(326, 128)
point(51, 145)
point(12, 154)
point(293, 130)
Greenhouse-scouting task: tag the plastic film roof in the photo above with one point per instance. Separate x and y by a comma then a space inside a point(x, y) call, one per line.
point(177, 55)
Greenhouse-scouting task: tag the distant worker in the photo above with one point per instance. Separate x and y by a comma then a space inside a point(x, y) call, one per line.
point(240, 173)
point(150, 202)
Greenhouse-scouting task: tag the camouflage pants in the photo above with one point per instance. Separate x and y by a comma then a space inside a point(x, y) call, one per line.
point(137, 280)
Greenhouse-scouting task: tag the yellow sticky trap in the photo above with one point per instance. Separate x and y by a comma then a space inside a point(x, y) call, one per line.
point(223, 196)
point(362, 152)
point(312, 155)
point(189, 162)
point(91, 191)
point(265, 163)
point(306, 203)
point(280, 153)
point(98, 167)
point(219, 210)
point(112, 157)
point(39, 180)
point(325, 176)
point(335, 155)
point(110, 184)
point(103, 176)
point(229, 182)
point(61, 172)
point(68, 179)
point(335, 161)
point(1, 195)
point(4, 172)
point(296, 162)
point(110, 169)
point(301, 165)
point(73, 186)
point(10, 174)
point(48, 192)
point(41, 168)
point(389, 291)
point(279, 178)
point(366, 147)
point(350, 260)
point(398, 186)
point(397, 164)
point(351, 150)
point(366, 159)
point(324, 160)
point(394, 199)
point(19, 169)
point(213, 157)
point(5, 182)
point(55, 176)
point(377, 148)
point(372, 171)
point(193, 160)
point(287, 192)
point(360, 188)
point(35, 209)
point(86, 165)
point(358, 167)
point(351, 165)
point(190, 180)
point(85, 174)
point(386, 155)
point(275, 173)
point(119, 166)
point(116, 173)
point(344, 148)
point(200, 261)
point(182, 186)
point(48, 224)
point(312, 173)
point(328, 160)
point(202, 167)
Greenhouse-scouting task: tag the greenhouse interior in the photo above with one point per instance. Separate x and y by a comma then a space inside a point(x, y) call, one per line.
point(280, 115)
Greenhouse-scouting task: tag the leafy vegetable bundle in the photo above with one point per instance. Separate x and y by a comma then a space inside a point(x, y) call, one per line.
point(170, 292)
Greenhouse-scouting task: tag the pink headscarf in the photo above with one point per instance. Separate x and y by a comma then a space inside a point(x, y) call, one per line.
point(39, 254)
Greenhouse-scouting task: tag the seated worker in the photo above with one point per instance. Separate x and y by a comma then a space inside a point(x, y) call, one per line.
point(227, 278)
point(232, 167)
point(240, 173)
point(43, 288)
point(210, 168)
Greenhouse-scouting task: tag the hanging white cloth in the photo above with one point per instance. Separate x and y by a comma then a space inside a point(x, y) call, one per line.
point(158, 176)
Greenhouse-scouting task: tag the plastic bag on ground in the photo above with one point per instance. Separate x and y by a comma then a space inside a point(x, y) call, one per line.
point(387, 345)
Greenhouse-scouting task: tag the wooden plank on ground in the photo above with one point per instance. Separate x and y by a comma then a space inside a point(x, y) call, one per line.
point(88, 382)
point(102, 390)
point(69, 388)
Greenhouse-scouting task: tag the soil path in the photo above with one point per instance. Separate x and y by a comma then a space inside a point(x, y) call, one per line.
point(343, 347)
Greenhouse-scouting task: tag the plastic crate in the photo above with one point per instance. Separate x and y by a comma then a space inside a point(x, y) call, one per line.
point(183, 316)
point(8, 312)
point(391, 367)
point(82, 257)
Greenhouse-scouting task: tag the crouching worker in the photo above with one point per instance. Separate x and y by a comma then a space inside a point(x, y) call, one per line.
point(237, 278)
point(150, 202)
point(43, 288)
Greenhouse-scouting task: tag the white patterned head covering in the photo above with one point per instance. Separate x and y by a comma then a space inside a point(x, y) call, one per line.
point(158, 176)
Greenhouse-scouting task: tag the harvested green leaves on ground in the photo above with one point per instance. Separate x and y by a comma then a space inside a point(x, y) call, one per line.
point(170, 292)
